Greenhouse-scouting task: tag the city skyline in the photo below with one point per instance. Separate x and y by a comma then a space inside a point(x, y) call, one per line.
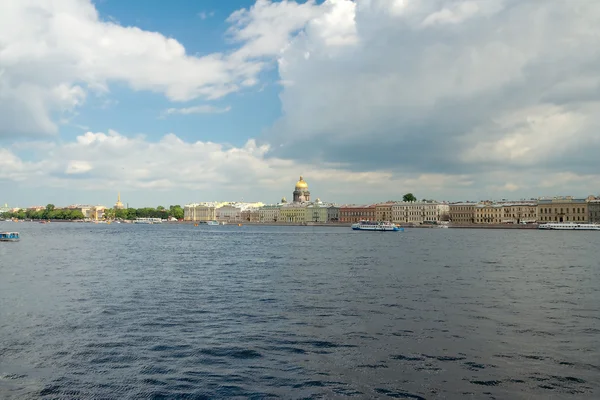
point(183, 102)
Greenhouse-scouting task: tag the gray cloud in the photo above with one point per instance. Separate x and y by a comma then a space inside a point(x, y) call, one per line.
point(495, 91)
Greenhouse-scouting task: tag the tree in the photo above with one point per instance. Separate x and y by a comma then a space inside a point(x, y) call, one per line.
point(409, 197)
point(176, 211)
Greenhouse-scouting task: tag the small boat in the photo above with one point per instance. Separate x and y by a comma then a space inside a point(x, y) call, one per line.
point(569, 226)
point(9, 236)
point(376, 226)
point(212, 223)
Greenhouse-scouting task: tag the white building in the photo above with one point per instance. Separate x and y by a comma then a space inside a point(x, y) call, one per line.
point(229, 213)
point(418, 213)
point(199, 212)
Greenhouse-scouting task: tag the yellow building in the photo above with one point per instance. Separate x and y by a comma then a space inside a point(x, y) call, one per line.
point(488, 213)
point(293, 213)
point(118, 204)
point(563, 209)
point(383, 211)
point(520, 212)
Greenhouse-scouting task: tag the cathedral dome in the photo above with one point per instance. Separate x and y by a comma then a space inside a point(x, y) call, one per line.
point(301, 184)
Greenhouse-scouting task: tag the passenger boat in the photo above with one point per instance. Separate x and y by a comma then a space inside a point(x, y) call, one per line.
point(379, 226)
point(147, 221)
point(9, 236)
point(569, 226)
point(212, 223)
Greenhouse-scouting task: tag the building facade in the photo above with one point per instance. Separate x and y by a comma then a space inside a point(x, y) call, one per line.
point(356, 213)
point(383, 211)
point(292, 213)
point(416, 213)
point(199, 212)
point(563, 209)
point(250, 215)
point(316, 212)
point(269, 213)
point(520, 212)
point(229, 213)
point(594, 211)
point(462, 213)
point(488, 214)
point(333, 214)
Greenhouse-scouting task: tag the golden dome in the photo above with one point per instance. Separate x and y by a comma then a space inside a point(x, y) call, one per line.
point(301, 184)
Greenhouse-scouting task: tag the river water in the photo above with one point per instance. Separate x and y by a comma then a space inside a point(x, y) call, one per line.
point(176, 311)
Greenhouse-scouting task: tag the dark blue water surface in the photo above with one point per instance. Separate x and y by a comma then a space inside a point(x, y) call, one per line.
point(176, 311)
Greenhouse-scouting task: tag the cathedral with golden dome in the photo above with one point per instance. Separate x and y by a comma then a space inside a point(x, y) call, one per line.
point(301, 192)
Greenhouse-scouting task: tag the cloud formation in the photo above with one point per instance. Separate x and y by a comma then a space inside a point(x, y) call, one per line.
point(46, 70)
point(456, 98)
point(201, 109)
point(96, 161)
point(501, 89)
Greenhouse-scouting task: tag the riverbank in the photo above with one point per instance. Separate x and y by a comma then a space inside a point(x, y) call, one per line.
point(329, 225)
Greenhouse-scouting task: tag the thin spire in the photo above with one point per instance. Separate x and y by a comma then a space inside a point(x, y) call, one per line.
point(119, 197)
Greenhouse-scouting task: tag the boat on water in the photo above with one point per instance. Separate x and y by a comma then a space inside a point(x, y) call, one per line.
point(212, 223)
point(378, 226)
point(569, 226)
point(149, 221)
point(9, 236)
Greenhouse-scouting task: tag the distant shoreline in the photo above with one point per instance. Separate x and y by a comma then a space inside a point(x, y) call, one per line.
point(334, 224)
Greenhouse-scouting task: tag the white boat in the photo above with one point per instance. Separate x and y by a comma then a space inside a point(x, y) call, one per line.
point(148, 221)
point(212, 223)
point(9, 236)
point(569, 226)
point(379, 226)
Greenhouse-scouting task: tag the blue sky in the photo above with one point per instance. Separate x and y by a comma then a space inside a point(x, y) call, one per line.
point(186, 101)
point(199, 26)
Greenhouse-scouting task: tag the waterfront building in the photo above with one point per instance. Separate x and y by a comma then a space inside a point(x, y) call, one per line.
point(520, 212)
point(316, 212)
point(251, 215)
point(562, 209)
point(269, 213)
point(355, 213)
point(488, 213)
point(118, 204)
point(594, 211)
point(4, 209)
point(229, 213)
point(293, 212)
point(301, 193)
point(94, 213)
point(199, 212)
point(443, 211)
point(462, 213)
point(415, 212)
point(383, 211)
point(333, 213)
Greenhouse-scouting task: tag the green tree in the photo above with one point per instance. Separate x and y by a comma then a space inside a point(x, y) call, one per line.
point(109, 213)
point(409, 197)
point(176, 211)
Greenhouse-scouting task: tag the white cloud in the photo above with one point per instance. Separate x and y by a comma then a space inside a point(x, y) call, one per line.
point(206, 14)
point(78, 167)
point(45, 68)
point(215, 170)
point(202, 109)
